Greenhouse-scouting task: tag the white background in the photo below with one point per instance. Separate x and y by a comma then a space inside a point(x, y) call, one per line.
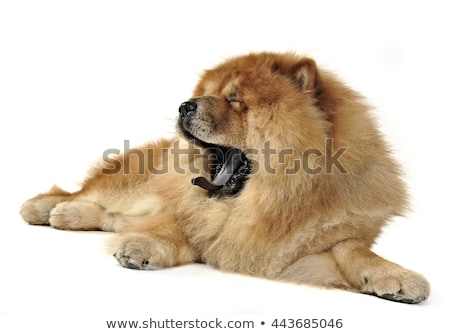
point(79, 77)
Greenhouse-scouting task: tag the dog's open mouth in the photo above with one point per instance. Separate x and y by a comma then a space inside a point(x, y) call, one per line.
point(229, 172)
point(229, 167)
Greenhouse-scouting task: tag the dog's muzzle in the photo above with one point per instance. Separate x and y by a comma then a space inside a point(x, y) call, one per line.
point(232, 166)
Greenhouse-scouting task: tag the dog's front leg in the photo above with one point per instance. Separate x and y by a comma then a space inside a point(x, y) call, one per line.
point(155, 243)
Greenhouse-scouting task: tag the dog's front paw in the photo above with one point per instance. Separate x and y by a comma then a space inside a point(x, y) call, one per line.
point(140, 251)
point(397, 284)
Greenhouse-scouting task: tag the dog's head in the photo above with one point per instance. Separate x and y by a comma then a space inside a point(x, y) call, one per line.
point(249, 99)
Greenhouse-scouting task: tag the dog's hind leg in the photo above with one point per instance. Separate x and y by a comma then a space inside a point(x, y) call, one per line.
point(68, 211)
point(36, 210)
point(83, 215)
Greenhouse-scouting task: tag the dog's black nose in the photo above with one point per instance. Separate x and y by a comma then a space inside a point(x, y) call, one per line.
point(187, 107)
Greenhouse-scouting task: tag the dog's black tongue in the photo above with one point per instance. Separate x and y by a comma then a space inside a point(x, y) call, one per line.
point(232, 162)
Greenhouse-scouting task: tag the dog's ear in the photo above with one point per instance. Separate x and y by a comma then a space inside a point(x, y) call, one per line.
point(303, 72)
point(306, 73)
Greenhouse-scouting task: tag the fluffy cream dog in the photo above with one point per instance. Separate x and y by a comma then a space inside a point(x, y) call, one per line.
point(278, 171)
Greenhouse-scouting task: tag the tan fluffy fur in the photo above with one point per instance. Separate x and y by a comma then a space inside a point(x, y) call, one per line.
point(304, 228)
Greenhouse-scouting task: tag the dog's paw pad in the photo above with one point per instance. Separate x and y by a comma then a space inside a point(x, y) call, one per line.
point(133, 262)
point(398, 297)
point(127, 261)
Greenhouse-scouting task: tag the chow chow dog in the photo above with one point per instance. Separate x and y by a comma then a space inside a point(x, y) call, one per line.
point(277, 171)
